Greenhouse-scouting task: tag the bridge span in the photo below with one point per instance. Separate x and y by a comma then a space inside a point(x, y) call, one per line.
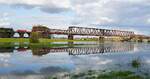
point(46, 32)
point(72, 30)
point(91, 32)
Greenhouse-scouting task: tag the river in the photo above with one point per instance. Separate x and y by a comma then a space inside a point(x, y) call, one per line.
point(41, 63)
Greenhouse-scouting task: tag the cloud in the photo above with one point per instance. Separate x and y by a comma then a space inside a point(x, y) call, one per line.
point(54, 9)
point(122, 13)
point(50, 6)
point(116, 10)
point(91, 11)
point(4, 19)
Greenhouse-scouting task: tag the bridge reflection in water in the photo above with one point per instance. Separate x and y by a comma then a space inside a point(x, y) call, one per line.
point(101, 49)
point(77, 50)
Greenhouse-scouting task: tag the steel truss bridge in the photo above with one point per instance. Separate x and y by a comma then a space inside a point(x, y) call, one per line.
point(91, 31)
point(45, 32)
point(72, 30)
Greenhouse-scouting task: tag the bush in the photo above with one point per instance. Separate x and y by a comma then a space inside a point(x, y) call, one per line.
point(136, 63)
point(34, 37)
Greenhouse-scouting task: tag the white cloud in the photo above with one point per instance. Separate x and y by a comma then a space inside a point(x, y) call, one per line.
point(93, 11)
point(44, 5)
point(4, 20)
point(122, 13)
point(148, 20)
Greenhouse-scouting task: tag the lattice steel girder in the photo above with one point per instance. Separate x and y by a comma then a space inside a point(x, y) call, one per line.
point(92, 31)
point(85, 31)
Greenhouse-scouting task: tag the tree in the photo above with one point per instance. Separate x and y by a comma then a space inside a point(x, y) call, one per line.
point(34, 37)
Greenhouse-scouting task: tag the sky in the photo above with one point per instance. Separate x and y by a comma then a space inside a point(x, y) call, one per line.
point(132, 15)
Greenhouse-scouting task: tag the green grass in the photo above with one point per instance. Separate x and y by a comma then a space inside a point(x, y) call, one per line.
point(14, 40)
point(119, 75)
point(107, 75)
point(42, 40)
point(36, 45)
point(9, 42)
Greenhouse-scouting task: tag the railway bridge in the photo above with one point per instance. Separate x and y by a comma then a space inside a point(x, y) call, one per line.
point(73, 30)
point(46, 32)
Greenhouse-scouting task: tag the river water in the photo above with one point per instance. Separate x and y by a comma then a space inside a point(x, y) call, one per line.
point(41, 63)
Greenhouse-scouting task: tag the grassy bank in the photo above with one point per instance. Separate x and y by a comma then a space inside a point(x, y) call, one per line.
point(36, 45)
point(14, 39)
point(32, 45)
point(91, 74)
point(41, 40)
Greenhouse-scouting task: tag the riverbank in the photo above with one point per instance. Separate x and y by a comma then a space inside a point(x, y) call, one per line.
point(93, 74)
point(37, 45)
point(42, 40)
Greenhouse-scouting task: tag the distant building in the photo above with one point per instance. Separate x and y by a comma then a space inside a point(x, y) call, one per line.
point(43, 30)
point(6, 32)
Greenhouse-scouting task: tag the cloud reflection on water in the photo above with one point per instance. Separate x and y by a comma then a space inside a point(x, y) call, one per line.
point(55, 61)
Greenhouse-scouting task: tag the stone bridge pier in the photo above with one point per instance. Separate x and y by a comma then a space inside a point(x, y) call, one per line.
point(101, 38)
point(70, 37)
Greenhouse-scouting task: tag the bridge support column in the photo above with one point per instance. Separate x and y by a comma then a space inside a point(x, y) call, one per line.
point(101, 39)
point(70, 37)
